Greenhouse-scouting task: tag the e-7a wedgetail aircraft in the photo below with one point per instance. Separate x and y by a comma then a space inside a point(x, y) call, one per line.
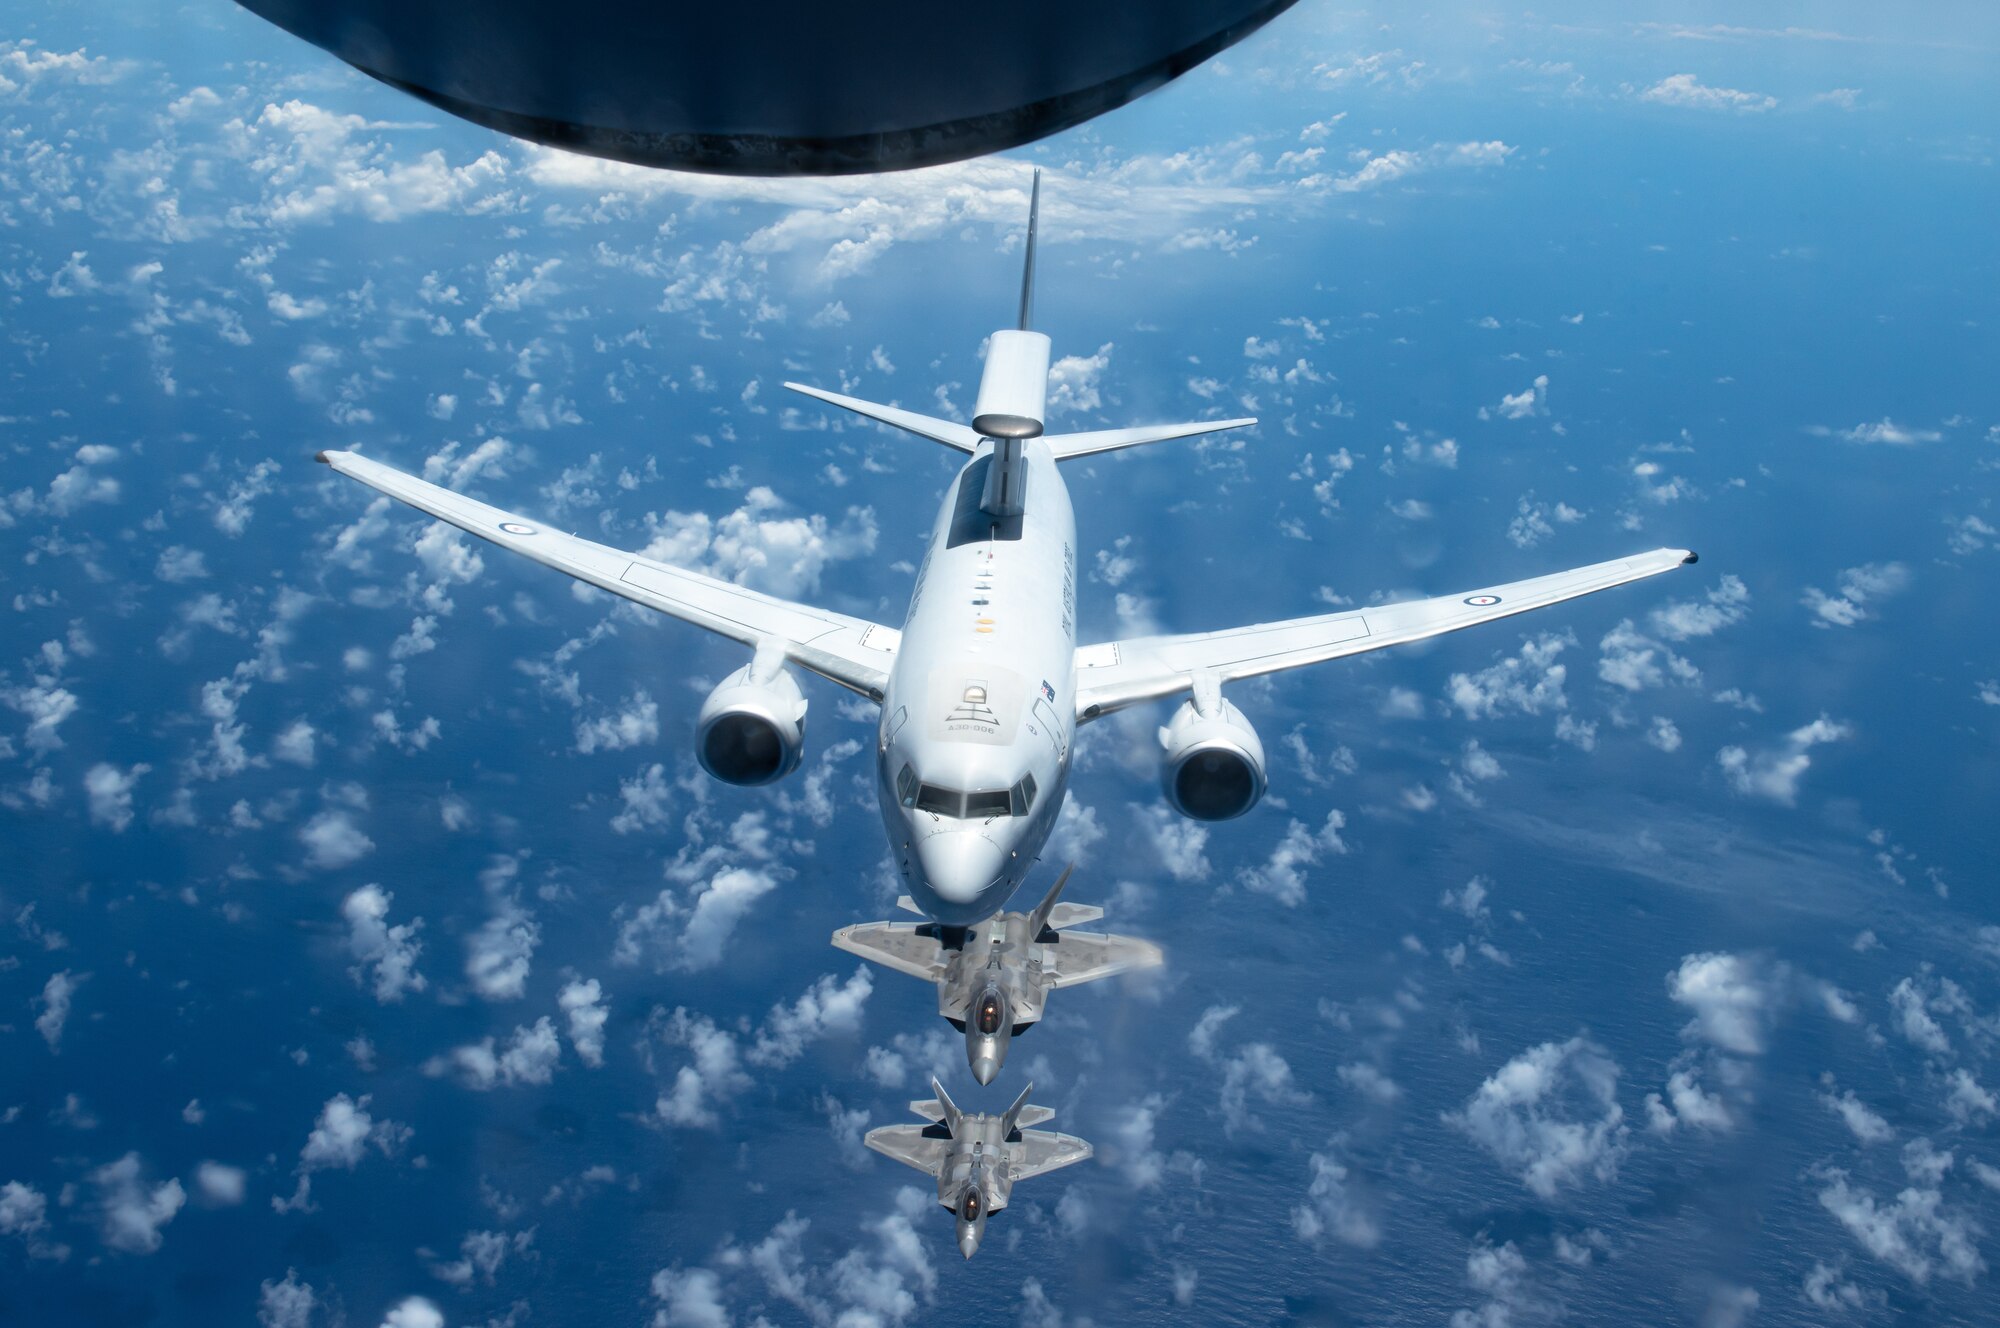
point(982, 689)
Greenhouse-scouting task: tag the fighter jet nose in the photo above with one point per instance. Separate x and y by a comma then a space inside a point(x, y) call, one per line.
point(959, 865)
point(968, 1244)
point(985, 1069)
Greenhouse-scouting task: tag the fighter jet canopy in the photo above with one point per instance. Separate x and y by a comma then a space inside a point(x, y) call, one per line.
point(779, 87)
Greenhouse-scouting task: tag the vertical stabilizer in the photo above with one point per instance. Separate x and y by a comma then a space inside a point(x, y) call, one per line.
point(1014, 386)
point(1013, 1115)
point(1028, 272)
point(1038, 921)
point(951, 1111)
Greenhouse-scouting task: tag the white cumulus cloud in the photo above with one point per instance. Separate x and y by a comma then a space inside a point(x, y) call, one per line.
point(1550, 1116)
point(1687, 90)
point(389, 951)
point(1775, 772)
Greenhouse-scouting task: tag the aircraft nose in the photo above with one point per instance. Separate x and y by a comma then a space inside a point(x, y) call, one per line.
point(985, 1069)
point(968, 1242)
point(959, 864)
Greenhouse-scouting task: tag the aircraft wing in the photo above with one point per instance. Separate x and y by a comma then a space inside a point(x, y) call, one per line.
point(1082, 956)
point(910, 1145)
point(903, 946)
point(1121, 673)
point(1043, 1150)
point(852, 652)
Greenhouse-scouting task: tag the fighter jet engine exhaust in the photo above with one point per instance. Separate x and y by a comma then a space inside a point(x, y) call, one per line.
point(1214, 769)
point(752, 728)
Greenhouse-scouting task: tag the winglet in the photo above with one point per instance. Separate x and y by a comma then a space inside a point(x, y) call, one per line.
point(1014, 1112)
point(323, 458)
point(1038, 921)
point(1028, 269)
point(951, 1111)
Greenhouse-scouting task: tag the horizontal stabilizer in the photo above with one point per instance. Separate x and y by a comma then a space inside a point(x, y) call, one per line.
point(1041, 1151)
point(958, 436)
point(1069, 445)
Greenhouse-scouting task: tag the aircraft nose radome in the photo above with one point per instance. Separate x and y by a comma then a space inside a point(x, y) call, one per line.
point(985, 1069)
point(968, 1243)
point(959, 865)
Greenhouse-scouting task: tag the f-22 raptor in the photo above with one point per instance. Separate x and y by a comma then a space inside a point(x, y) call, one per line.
point(994, 977)
point(977, 1157)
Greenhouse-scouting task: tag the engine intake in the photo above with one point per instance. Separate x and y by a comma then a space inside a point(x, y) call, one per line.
point(1214, 767)
point(752, 729)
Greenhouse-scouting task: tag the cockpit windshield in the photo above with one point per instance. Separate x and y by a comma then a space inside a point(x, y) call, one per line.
point(959, 804)
point(987, 1020)
point(970, 1210)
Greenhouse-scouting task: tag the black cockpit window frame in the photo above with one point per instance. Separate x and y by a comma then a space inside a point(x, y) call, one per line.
point(1022, 795)
point(977, 805)
point(985, 804)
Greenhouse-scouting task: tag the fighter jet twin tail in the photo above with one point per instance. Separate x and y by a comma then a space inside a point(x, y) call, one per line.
point(980, 695)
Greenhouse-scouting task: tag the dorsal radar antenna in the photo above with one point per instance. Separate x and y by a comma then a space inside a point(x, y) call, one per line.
point(1028, 272)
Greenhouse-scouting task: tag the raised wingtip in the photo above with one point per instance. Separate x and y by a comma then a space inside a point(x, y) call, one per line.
point(1691, 558)
point(324, 458)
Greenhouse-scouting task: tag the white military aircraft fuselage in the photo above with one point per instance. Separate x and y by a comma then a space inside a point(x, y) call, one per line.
point(983, 687)
point(980, 712)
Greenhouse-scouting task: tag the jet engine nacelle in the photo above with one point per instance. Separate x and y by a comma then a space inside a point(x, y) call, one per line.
point(752, 728)
point(1215, 764)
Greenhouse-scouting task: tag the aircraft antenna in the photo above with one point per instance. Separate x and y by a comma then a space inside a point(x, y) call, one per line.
point(1028, 273)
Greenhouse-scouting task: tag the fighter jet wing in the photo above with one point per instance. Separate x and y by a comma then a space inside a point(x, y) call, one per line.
point(912, 1145)
point(1043, 1150)
point(903, 946)
point(850, 651)
point(1082, 956)
point(1121, 673)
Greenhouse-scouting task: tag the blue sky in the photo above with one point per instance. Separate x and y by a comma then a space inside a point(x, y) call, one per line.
point(375, 953)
